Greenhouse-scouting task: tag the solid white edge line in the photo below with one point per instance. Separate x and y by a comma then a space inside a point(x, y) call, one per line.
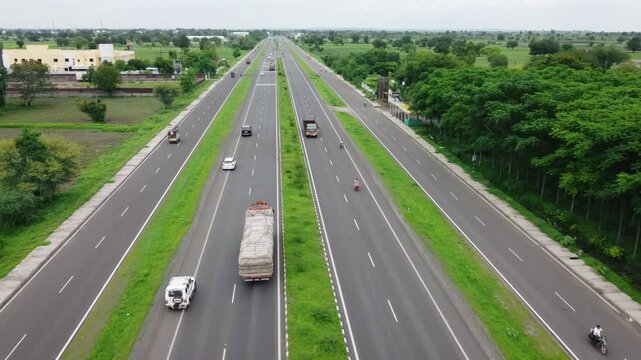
point(429, 293)
point(280, 297)
point(469, 240)
point(322, 220)
point(153, 211)
point(515, 254)
point(15, 347)
point(65, 285)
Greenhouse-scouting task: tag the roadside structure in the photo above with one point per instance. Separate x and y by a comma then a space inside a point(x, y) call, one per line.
point(61, 60)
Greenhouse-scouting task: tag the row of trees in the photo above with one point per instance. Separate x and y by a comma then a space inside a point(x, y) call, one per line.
point(567, 132)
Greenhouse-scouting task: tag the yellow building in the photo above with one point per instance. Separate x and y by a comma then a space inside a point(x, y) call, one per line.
point(60, 60)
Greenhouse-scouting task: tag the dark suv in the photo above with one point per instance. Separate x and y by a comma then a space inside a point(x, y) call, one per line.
point(246, 130)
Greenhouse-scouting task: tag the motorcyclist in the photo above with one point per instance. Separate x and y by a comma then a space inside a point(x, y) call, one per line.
point(341, 145)
point(357, 185)
point(597, 332)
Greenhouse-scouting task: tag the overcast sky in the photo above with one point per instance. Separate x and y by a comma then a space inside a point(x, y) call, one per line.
point(594, 15)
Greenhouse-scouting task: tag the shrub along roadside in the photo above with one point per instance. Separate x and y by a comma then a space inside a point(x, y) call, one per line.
point(17, 242)
point(314, 329)
point(111, 329)
point(517, 334)
point(326, 92)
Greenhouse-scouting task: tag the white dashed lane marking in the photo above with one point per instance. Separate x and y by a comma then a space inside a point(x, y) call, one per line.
point(65, 285)
point(515, 254)
point(99, 242)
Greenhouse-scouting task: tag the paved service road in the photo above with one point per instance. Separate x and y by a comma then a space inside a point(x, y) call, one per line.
point(567, 306)
point(394, 303)
point(39, 320)
point(229, 319)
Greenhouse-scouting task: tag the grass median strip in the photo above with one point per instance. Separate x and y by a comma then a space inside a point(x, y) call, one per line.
point(314, 329)
point(326, 93)
point(515, 331)
point(112, 327)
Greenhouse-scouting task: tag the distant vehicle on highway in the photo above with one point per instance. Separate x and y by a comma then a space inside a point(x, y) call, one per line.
point(311, 128)
point(173, 135)
point(180, 291)
point(248, 61)
point(232, 74)
point(262, 73)
point(246, 130)
point(229, 163)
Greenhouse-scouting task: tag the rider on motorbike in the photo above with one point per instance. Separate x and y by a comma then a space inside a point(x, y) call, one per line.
point(357, 185)
point(341, 145)
point(596, 332)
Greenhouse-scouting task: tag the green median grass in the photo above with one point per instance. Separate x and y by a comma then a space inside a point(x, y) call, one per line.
point(325, 92)
point(314, 329)
point(112, 328)
point(512, 327)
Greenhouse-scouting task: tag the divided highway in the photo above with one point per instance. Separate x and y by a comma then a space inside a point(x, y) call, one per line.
point(228, 319)
point(394, 304)
point(561, 301)
point(40, 319)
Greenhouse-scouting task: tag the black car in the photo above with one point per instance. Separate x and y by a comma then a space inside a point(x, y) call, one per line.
point(246, 130)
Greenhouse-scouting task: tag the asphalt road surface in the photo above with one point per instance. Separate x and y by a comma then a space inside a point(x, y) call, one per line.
point(395, 304)
point(41, 318)
point(229, 318)
point(566, 306)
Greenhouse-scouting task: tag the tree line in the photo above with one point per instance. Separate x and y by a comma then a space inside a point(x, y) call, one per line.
point(560, 135)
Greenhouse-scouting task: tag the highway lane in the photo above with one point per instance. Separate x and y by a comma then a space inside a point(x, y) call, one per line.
point(229, 318)
point(395, 303)
point(566, 305)
point(41, 318)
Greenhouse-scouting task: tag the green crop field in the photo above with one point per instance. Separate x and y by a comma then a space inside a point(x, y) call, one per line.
point(120, 110)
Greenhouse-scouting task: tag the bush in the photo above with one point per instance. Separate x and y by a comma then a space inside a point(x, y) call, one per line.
point(567, 241)
point(96, 109)
point(166, 94)
point(187, 81)
point(614, 252)
point(17, 207)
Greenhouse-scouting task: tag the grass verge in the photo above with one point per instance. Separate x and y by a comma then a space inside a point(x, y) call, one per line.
point(112, 328)
point(17, 242)
point(610, 275)
point(517, 334)
point(325, 92)
point(314, 328)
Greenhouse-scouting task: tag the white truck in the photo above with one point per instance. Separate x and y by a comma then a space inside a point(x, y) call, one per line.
point(180, 291)
point(256, 257)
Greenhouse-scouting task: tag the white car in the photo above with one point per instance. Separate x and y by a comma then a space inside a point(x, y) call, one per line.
point(180, 291)
point(229, 163)
point(262, 73)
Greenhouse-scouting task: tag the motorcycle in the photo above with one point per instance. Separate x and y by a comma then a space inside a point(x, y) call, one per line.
point(357, 186)
point(599, 342)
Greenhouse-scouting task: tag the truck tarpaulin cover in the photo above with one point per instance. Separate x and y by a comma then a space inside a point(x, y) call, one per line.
point(257, 247)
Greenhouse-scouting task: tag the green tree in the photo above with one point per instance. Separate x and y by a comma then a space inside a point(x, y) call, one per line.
point(137, 64)
point(106, 78)
point(498, 60)
point(96, 109)
point(35, 165)
point(633, 44)
point(355, 38)
point(236, 53)
point(121, 65)
point(166, 94)
point(511, 44)
point(20, 43)
point(31, 79)
point(165, 66)
point(3, 86)
point(544, 47)
point(379, 43)
point(18, 207)
point(188, 81)
point(182, 41)
point(79, 42)
point(441, 44)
